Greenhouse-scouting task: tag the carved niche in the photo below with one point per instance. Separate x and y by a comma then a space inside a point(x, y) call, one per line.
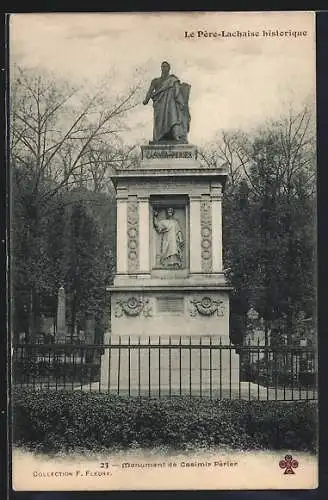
point(133, 306)
point(169, 237)
point(206, 306)
point(133, 235)
point(206, 233)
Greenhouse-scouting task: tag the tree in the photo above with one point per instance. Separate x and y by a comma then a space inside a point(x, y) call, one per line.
point(269, 218)
point(56, 131)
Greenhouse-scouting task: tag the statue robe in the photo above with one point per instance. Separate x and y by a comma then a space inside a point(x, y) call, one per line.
point(172, 239)
point(168, 99)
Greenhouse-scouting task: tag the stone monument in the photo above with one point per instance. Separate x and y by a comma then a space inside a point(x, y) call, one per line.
point(169, 284)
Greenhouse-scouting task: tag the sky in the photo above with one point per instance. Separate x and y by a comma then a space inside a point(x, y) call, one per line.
point(235, 82)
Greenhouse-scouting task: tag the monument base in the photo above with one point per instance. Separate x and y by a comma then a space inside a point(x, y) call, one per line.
point(170, 310)
point(176, 365)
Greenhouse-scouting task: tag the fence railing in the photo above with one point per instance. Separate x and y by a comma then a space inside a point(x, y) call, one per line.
point(154, 367)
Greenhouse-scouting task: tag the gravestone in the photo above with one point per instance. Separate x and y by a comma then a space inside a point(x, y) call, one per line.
point(61, 316)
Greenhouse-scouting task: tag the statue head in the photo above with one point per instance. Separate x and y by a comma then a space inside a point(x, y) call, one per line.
point(170, 212)
point(165, 67)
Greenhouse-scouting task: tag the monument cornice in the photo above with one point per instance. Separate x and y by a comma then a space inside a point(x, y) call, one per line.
point(160, 171)
point(122, 194)
point(143, 197)
point(169, 286)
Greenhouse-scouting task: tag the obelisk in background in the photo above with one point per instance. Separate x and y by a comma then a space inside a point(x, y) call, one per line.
point(61, 315)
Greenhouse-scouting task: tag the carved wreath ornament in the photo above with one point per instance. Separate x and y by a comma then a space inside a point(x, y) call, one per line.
point(132, 306)
point(206, 306)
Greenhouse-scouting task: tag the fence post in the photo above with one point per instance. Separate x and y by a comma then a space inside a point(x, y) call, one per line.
point(159, 367)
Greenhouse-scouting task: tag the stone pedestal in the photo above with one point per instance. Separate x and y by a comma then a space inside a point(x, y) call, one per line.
point(168, 365)
point(168, 297)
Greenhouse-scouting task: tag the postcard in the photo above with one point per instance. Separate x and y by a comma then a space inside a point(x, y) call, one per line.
point(163, 251)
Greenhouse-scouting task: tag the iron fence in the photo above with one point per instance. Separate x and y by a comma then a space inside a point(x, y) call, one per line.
point(158, 367)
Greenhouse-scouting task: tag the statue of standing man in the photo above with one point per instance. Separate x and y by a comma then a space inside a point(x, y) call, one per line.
point(171, 110)
point(172, 242)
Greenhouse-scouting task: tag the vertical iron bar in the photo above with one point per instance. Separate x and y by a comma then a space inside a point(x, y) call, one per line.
point(25, 372)
point(292, 374)
point(49, 369)
point(220, 367)
point(159, 367)
point(65, 363)
point(24, 358)
point(250, 367)
point(306, 369)
point(285, 358)
point(299, 360)
point(76, 367)
point(27, 363)
point(190, 391)
point(119, 365)
point(56, 368)
point(73, 371)
point(258, 368)
point(230, 381)
point(170, 366)
point(149, 391)
point(139, 370)
point(95, 355)
point(24, 365)
point(21, 357)
point(35, 365)
point(18, 365)
point(39, 372)
point(129, 369)
point(87, 351)
point(81, 369)
point(180, 370)
point(109, 363)
point(275, 356)
point(268, 359)
point(314, 366)
point(30, 366)
point(200, 367)
point(239, 382)
point(211, 368)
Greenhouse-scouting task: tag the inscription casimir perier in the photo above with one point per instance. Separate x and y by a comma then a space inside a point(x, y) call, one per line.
point(171, 110)
point(172, 241)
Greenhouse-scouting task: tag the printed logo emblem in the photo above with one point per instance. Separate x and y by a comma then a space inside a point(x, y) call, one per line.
point(288, 463)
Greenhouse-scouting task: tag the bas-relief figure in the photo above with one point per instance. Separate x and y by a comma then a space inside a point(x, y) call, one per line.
point(171, 110)
point(172, 242)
